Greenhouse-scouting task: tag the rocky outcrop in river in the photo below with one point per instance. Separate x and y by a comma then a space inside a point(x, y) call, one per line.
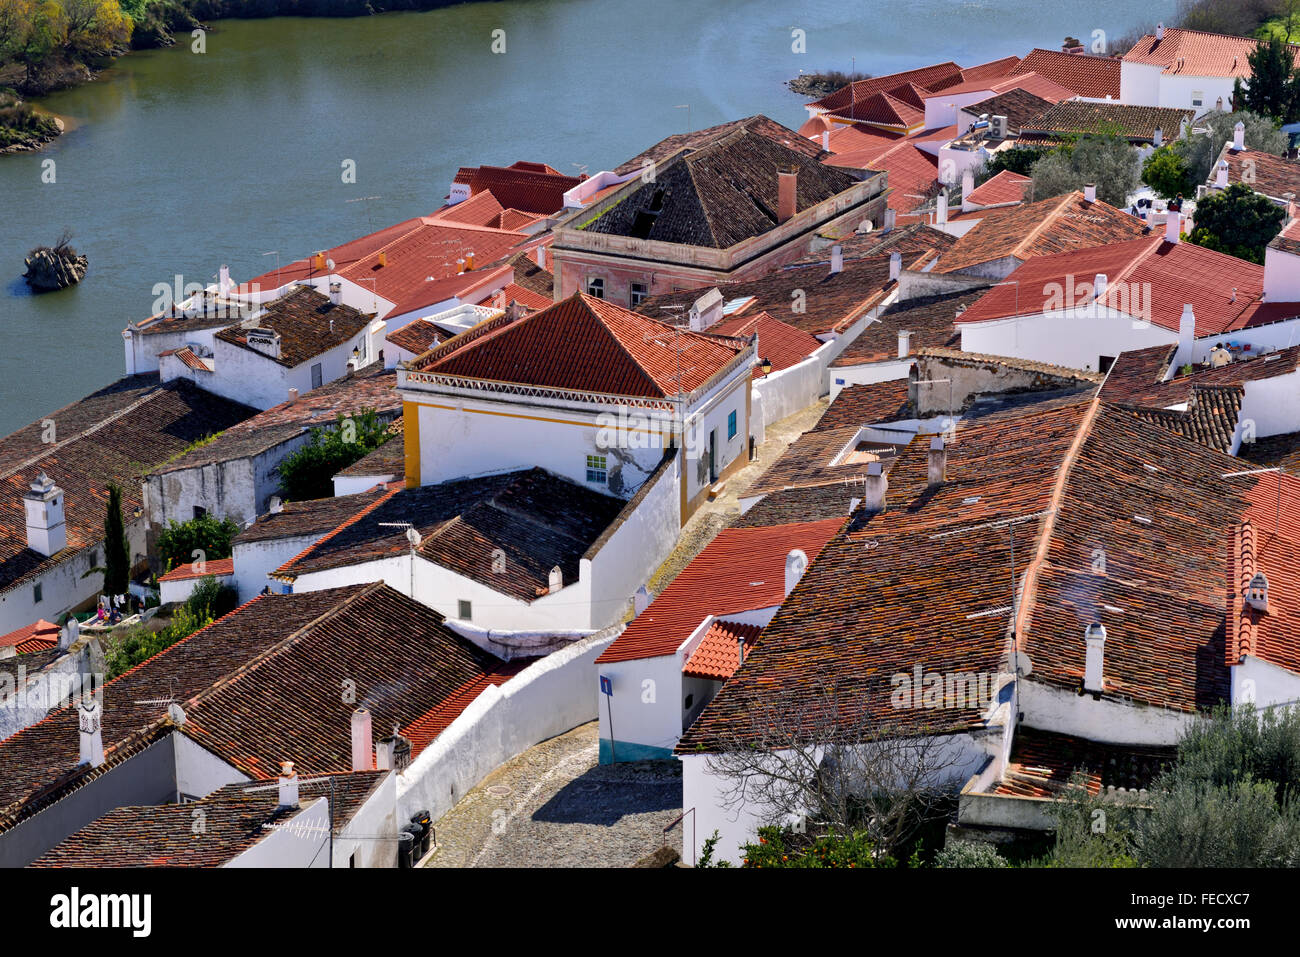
point(57, 267)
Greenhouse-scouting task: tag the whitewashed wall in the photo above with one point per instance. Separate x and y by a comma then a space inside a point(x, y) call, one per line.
point(1073, 338)
point(255, 560)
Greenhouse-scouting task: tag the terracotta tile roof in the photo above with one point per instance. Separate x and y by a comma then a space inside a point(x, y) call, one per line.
point(779, 342)
point(990, 70)
point(530, 300)
point(370, 388)
point(1288, 241)
point(314, 517)
point(1055, 225)
point(218, 567)
point(117, 434)
point(20, 666)
point(536, 519)
point(1262, 543)
point(1210, 418)
point(884, 109)
point(40, 635)
point(589, 345)
point(832, 301)
point(1137, 377)
point(1017, 105)
point(424, 730)
point(1004, 187)
point(720, 194)
point(1038, 86)
point(812, 503)
point(930, 319)
point(937, 76)
point(859, 405)
point(479, 210)
point(913, 172)
point(757, 123)
point(740, 570)
point(910, 242)
point(234, 820)
point(716, 656)
point(388, 459)
point(417, 336)
point(1043, 763)
point(1091, 76)
point(532, 277)
point(281, 656)
point(1282, 451)
point(1196, 53)
point(808, 461)
point(1129, 120)
point(942, 602)
point(532, 187)
point(185, 355)
point(1175, 273)
point(308, 325)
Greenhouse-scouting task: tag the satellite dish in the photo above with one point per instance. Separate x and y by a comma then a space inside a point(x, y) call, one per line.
point(413, 537)
point(329, 264)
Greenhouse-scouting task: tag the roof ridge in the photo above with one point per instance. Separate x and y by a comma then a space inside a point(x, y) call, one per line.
point(329, 535)
point(695, 186)
point(595, 312)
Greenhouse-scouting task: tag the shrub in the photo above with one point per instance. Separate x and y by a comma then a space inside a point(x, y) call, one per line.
point(210, 537)
point(970, 854)
point(308, 472)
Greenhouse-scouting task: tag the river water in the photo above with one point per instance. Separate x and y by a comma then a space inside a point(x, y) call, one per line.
point(177, 162)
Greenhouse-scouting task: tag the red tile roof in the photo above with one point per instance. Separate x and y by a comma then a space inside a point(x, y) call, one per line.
point(1091, 76)
point(589, 345)
point(717, 655)
point(1196, 53)
point(1263, 172)
point(993, 69)
point(218, 567)
point(1031, 82)
point(1043, 764)
point(935, 77)
point(425, 729)
point(1263, 543)
point(38, 636)
point(913, 173)
point(531, 187)
point(1004, 187)
point(1175, 273)
point(740, 570)
point(780, 343)
point(525, 297)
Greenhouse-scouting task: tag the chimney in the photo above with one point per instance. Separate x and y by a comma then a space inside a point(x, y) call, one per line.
point(223, 280)
point(740, 648)
point(1090, 192)
point(941, 209)
point(796, 563)
point(837, 259)
point(641, 600)
point(46, 531)
point(460, 266)
point(336, 292)
point(555, 581)
point(904, 343)
point(383, 260)
point(541, 256)
point(895, 266)
point(1099, 287)
point(1239, 136)
point(967, 185)
point(938, 465)
point(276, 505)
point(320, 261)
point(785, 195)
point(1221, 175)
point(1095, 639)
point(393, 753)
point(89, 715)
point(875, 486)
point(469, 262)
point(288, 785)
point(363, 737)
point(1160, 32)
point(1173, 227)
point(826, 140)
point(293, 396)
point(1186, 336)
point(706, 310)
point(1257, 592)
point(70, 633)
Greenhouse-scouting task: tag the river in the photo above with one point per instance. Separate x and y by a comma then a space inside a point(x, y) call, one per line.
point(176, 162)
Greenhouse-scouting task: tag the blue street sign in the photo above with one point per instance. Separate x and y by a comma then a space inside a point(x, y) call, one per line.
point(606, 686)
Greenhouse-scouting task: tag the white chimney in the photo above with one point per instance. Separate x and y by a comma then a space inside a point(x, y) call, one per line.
point(46, 531)
point(276, 505)
point(1099, 287)
point(875, 486)
point(1173, 227)
point(904, 343)
point(895, 266)
point(938, 464)
point(796, 563)
point(293, 396)
point(363, 741)
point(1257, 592)
point(967, 185)
point(1090, 192)
point(640, 600)
point(336, 293)
point(1160, 32)
point(837, 259)
point(707, 310)
point(1186, 336)
point(70, 633)
point(941, 209)
point(1158, 138)
point(541, 256)
point(1095, 639)
point(1239, 136)
point(223, 280)
point(288, 785)
point(89, 720)
point(826, 140)
point(555, 581)
point(1221, 175)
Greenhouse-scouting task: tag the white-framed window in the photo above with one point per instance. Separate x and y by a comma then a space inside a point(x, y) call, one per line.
point(1198, 98)
point(596, 470)
point(465, 610)
point(596, 287)
point(637, 293)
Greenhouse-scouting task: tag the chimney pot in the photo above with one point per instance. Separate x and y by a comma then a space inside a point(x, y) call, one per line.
point(89, 720)
point(541, 256)
point(938, 464)
point(837, 258)
point(1173, 227)
point(47, 530)
point(1239, 136)
point(336, 293)
point(1090, 192)
point(363, 737)
point(875, 487)
point(941, 210)
point(1095, 641)
point(904, 343)
point(1221, 175)
point(293, 396)
point(967, 185)
point(1160, 32)
point(895, 266)
point(786, 206)
point(1158, 138)
point(641, 600)
point(288, 785)
point(826, 140)
point(1257, 592)
point(796, 563)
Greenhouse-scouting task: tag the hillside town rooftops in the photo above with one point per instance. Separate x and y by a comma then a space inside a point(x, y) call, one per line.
point(1138, 377)
point(781, 344)
point(1029, 82)
point(235, 819)
point(1095, 77)
point(1267, 542)
point(40, 635)
point(311, 518)
point(304, 323)
point(859, 405)
point(1197, 53)
point(937, 76)
point(1002, 189)
point(830, 456)
point(505, 531)
point(1044, 764)
point(1017, 104)
point(217, 567)
point(740, 570)
point(931, 320)
point(1263, 172)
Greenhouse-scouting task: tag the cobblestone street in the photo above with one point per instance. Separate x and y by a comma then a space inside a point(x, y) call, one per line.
point(554, 806)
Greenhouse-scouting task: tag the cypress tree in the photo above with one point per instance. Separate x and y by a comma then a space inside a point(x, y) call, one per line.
point(117, 558)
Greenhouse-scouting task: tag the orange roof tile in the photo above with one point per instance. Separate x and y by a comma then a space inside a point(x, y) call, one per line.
point(217, 567)
point(1000, 189)
point(38, 636)
point(717, 655)
point(1091, 76)
point(1197, 53)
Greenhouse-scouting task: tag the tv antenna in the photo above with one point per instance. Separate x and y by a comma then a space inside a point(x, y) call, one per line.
point(414, 538)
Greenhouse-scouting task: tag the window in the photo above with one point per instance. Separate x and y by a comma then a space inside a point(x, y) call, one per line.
point(316, 376)
point(36, 593)
point(596, 471)
point(200, 511)
point(1104, 363)
point(1198, 97)
point(465, 609)
point(690, 700)
point(731, 425)
point(637, 294)
point(596, 287)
